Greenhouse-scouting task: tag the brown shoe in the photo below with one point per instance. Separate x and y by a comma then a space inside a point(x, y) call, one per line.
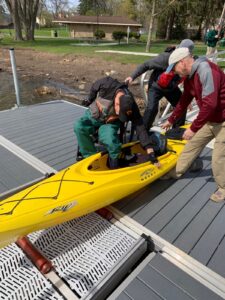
point(218, 196)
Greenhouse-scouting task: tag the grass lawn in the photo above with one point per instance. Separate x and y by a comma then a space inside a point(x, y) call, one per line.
point(61, 32)
point(67, 46)
point(43, 32)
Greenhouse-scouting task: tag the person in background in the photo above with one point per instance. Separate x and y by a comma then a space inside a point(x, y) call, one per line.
point(206, 82)
point(212, 37)
point(161, 83)
point(110, 105)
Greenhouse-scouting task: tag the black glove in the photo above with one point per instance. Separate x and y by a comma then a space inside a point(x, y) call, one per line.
point(85, 102)
point(152, 158)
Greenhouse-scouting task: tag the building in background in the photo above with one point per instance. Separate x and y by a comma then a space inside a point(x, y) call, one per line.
point(85, 26)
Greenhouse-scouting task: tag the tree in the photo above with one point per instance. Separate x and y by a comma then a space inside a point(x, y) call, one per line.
point(135, 35)
point(85, 6)
point(45, 18)
point(118, 35)
point(150, 26)
point(128, 8)
point(13, 9)
point(205, 13)
point(24, 13)
point(57, 7)
point(99, 34)
point(162, 8)
point(94, 7)
point(113, 7)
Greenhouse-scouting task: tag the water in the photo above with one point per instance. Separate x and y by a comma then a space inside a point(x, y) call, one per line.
point(28, 91)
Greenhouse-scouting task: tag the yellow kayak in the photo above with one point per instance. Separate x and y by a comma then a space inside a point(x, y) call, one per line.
point(77, 190)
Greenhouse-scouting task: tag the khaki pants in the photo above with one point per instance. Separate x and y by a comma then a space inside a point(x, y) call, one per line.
point(210, 50)
point(194, 147)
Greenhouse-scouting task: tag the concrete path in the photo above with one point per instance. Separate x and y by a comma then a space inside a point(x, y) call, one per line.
point(128, 52)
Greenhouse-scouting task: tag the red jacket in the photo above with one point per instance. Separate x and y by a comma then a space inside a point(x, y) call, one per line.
point(207, 84)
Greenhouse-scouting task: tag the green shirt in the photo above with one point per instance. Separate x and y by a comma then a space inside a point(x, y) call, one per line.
point(211, 38)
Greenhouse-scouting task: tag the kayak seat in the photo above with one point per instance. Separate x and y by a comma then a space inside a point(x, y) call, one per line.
point(134, 155)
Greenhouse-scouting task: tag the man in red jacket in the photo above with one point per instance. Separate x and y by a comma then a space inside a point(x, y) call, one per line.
point(161, 84)
point(206, 82)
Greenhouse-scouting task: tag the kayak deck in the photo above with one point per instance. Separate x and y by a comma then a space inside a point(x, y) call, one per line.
point(80, 189)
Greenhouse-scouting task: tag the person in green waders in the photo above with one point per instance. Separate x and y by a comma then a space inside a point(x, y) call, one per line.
point(110, 104)
point(212, 37)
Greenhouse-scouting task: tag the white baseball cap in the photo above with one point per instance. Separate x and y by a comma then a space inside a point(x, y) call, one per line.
point(176, 56)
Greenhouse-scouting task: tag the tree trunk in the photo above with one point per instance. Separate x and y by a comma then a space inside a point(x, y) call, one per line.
point(199, 32)
point(150, 27)
point(17, 26)
point(13, 9)
point(24, 14)
point(203, 20)
point(170, 25)
point(28, 12)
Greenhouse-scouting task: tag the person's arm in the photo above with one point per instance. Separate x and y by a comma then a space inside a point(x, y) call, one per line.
point(210, 94)
point(180, 108)
point(92, 94)
point(95, 89)
point(182, 105)
point(143, 136)
point(158, 62)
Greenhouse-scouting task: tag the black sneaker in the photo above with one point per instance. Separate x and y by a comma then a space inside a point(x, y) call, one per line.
point(79, 156)
point(196, 166)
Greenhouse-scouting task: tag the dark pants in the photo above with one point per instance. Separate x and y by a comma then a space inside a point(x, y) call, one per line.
point(154, 96)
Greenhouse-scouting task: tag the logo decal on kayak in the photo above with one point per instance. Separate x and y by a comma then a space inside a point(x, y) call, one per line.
point(62, 208)
point(146, 174)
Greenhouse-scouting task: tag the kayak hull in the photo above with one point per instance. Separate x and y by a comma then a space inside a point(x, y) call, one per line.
point(78, 190)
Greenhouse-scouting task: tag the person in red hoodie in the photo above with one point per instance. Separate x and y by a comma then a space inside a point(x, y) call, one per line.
point(206, 82)
point(161, 83)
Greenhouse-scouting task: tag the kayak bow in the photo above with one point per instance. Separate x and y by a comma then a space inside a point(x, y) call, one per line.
point(77, 190)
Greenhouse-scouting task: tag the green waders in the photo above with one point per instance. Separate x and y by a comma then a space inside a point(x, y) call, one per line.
point(86, 127)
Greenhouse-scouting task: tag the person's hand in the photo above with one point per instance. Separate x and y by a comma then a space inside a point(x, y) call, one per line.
point(85, 102)
point(166, 125)
point(128, 80)
point(190, 107)
point(157, 165)
point(188, 134)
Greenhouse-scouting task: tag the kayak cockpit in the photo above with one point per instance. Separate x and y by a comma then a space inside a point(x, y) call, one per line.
point(132, 154)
